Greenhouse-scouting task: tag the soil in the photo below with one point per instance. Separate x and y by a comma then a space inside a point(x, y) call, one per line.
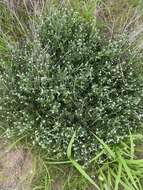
point(15, 169)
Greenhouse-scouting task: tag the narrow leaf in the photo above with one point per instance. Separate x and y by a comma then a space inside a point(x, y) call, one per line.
point(118, 178)
point(84, 174)
point(128, 171)
point(107, 148)
point(69, 149)
point(76, 165)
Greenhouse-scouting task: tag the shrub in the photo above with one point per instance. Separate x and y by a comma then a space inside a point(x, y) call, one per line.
point(70, 78)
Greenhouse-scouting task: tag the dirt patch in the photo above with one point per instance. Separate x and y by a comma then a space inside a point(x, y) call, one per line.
point(15, 169)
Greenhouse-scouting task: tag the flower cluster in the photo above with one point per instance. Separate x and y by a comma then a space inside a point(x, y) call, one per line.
point(70, 78)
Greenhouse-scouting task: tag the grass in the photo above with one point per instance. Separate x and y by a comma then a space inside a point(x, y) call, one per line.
point(114, 168)
point(11, 23)
point(118, 16)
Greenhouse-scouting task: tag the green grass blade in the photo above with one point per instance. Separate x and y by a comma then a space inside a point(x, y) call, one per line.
point(107, 148)
point(69, 149)
point(128, 171)
point(47, 177)
point(84, 174)
point(15, 143)
point(76, 165)
point(118, 178)
point(127, 181)
point(97, 156)
point(126, 187)
point(132, 146)
point(139, 183)
point(59, 163)
point(134, 162)
point(109, 178)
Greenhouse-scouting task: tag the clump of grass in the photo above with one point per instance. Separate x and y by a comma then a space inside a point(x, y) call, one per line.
point(12, 24)
point(121, 169)
point(70, 78)
point(119, 16)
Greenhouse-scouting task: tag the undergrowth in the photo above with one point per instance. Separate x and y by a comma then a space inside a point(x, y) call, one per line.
point(70, 78)
point(122, 167)
point(121, 16)
point(70, 89)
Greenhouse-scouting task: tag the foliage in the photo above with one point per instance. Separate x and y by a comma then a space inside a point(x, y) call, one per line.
point(61, 65)
point(124, 171)
point(70, 78)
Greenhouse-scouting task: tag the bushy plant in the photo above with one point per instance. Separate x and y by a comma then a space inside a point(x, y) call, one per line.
point(70, 78)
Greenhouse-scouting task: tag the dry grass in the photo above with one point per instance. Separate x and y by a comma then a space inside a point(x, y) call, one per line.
point(121, 16)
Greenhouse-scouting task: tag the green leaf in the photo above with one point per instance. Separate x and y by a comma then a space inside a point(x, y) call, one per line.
point(107, 148)
point(69, 149)
point(84, 174)
point(97, 156)
point(132, 146)
point(127, 187)
point(118, 178)
point(135, 162)
point(76, 165)
point(59, 163)
point(127, 170)
point(110, 178)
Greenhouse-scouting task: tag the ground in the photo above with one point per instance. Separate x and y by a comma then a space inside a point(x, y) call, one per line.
point(16, 168)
